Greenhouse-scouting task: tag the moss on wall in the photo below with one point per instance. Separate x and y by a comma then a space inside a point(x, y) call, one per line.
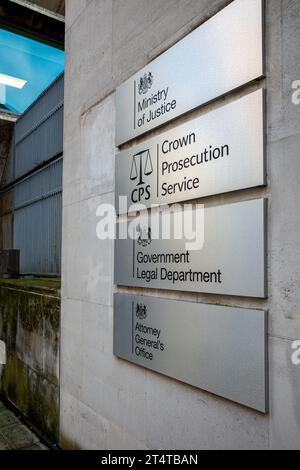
point(68, 444)
point(34, 284)
point(29, 325)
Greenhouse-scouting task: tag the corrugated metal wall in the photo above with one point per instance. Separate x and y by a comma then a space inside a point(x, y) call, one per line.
point(37, 221)
point(37, 201)
point(39, 132)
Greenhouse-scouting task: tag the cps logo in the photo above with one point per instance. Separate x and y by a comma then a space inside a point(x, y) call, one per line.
point(141, 168)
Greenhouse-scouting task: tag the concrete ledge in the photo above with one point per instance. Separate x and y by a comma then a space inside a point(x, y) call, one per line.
point(46, 286)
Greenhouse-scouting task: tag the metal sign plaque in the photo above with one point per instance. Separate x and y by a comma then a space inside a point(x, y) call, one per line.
point(215, 153)
point(218, 349)
point(231, 261)
point(221, 55)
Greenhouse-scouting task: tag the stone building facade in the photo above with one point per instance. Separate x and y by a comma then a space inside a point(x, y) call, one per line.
point(107, 403)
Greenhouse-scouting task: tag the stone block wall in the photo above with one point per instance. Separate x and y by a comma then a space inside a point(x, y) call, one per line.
point(107, 402)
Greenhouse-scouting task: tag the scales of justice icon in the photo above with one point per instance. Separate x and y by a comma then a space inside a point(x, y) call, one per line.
point(141, 166)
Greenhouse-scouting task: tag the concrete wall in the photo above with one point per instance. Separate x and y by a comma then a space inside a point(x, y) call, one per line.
point(6, 221)
point(6, 135)
point(29, 327)
point(109, 403)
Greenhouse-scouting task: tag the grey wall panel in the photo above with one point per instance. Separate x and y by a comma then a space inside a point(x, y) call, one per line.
point(50, 98)
point(40, 145)
point(40, 185)
point(37, 198)
point(37, 234)
point(39, 132)
point(37, 221)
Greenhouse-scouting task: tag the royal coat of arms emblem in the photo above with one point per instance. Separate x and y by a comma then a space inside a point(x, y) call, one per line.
point(145, 83)
point(141, 311)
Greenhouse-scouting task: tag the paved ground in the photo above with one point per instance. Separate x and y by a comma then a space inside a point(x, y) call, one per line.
point(14, 435)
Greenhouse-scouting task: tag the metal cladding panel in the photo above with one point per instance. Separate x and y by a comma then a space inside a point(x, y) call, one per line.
point(37, 221)
point(39, 132)
point(51, 97)
point(40, 185)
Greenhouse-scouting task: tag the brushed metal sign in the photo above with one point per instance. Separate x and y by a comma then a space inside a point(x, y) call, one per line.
point(221, 55)
point(232, 260)
point(215, 153)
point(218, 349)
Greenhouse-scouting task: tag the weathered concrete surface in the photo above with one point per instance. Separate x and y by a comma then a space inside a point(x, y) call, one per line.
point(6, 131)
point(14, 435)
point(108, 403)
point(29, 327)
point(6, 221)
point(58, 6)
point(14, 15)
point(9, 263)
